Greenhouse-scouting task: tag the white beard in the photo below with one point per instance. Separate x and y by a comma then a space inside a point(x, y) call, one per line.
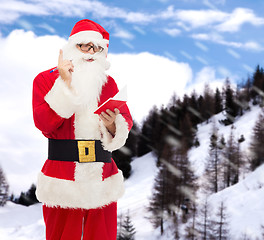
point(88, 78)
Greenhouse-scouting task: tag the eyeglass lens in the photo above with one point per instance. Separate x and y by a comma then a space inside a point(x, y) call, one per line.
point(87, 47)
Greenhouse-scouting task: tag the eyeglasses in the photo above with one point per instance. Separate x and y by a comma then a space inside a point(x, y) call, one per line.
point(87, 47)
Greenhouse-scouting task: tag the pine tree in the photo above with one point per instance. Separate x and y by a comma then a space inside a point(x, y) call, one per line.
point(220, 224)
point(207, 105)
point(188, 132)
point(28, 198)
point(193, 108)
point(258, 85)
point(159, 201)
point(231, 108)
point(146, 136)
point(4, 188)
point(247, 90)
point(174, 188)
point(212, 171)
point(230, 161)
point(257, 148)
point(204, 222)
point(233, 160)
point(218, 102)
point(191, 228)
point(127, 230)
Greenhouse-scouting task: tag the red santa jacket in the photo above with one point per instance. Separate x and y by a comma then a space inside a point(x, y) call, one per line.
point(74, 184)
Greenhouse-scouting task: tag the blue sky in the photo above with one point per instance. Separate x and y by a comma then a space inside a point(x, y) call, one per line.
point(224, 34)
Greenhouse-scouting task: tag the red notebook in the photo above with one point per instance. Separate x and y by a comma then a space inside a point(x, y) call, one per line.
point(112, 103)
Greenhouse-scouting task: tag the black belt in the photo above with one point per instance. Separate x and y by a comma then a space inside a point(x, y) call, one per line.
point(78, 150)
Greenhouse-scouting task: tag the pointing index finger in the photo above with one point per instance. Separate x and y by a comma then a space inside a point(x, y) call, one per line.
point(60, 56)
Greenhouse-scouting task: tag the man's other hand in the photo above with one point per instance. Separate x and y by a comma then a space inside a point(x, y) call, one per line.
point(108, 119)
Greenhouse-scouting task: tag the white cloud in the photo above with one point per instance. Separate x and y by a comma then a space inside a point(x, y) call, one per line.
point(124, 34)
point(253, 46)
point(200, 18)
point(25, 25)
point(206, 75)
point(212, 18)
point(18, 8)
point(237, 18)
point(187, 20)
point(151, 80)
point(23, 56)
point(173, 32)
point(12, 10)
point(225, 72)
point(217, 38)
point(29, 54)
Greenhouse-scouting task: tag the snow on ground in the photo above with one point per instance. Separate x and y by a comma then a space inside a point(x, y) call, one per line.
point(244, 200)
point(138, 192)
point(244, 203)
point(23, 223)
point(243, 126)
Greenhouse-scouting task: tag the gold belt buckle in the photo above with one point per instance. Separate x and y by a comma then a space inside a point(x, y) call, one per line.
point(86, 151)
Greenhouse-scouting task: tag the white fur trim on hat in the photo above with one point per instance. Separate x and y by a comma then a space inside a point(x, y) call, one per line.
point(111, 143)
point(60, 99)
point(88, 191)
point(89, 36)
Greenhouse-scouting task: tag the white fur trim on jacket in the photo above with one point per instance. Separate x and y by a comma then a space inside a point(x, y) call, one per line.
point(111, 143)
point(61, 99)
point(88, 191)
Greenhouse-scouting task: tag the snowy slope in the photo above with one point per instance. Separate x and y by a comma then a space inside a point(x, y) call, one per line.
point(24, 223)
point(138, 192)
point(244, 203)
point(244, 200)
point(243, 126)
point(21, 223)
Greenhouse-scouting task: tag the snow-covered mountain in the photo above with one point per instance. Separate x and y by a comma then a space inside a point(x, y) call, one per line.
point(244, 201)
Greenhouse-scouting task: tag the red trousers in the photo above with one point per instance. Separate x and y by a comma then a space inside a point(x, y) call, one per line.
point(81, 224)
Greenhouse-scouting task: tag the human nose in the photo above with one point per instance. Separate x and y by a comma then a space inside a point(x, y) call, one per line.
point(91, 50)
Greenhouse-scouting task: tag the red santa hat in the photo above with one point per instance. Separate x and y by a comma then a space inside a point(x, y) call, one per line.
point(86, 31)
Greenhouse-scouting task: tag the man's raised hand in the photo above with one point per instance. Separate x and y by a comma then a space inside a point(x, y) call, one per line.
point(65, 68)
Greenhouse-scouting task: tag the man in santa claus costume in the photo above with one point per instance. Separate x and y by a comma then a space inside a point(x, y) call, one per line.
point(80, 183)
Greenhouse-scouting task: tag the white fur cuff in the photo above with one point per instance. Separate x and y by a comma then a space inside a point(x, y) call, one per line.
point(61, 99)
point(111, 143)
